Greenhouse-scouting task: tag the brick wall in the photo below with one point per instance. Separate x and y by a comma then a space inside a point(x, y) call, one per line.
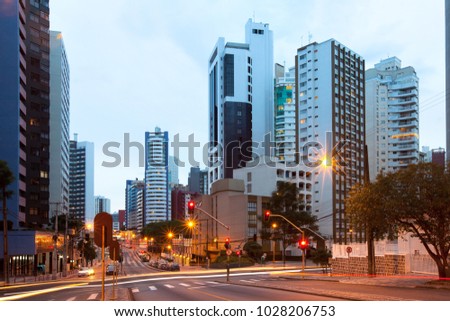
point(384, 265)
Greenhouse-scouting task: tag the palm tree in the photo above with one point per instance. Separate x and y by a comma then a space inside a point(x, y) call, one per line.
point(6, 178)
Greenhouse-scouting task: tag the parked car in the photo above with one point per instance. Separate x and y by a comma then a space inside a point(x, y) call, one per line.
point(86, 271)
point(111, 269)
point(174, 267)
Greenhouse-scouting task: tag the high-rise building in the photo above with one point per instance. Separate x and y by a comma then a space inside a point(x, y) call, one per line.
point(81, 178)
point(13, 84)
point(285, 129)
point(240, 100)
point(392, 116)
point(38, 112)
point(198, 180)
point(59, 122)
point(438, 156)
point(134, 204)
point(330, 131)
point(157, 198)
point(173, 171)
point(102, 204)
point(447, 74)
point(24, 97)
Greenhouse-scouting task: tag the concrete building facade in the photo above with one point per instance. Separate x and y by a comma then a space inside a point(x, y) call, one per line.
point(157, 189)
point(392, 116)
point(59, 122)
point(240, 100)
point(330, 110)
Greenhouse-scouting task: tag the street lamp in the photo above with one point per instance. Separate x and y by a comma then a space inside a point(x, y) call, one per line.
point(274, 226)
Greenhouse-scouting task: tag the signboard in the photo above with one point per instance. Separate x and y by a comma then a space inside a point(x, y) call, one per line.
point(349, 249)
point(114, 250)
point(229, 252)
point(100, 220)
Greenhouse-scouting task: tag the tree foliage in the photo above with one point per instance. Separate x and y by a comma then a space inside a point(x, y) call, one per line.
point(159, 230)
point(285, 201)
point(415, 200)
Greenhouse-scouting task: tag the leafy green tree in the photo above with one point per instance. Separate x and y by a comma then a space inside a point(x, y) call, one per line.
point(253, 250)
point(159, 231)
point(414, 200)
point(365, 210)
point(285, 201)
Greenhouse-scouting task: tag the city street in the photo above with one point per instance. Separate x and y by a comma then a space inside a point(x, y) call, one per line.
point(140, 282)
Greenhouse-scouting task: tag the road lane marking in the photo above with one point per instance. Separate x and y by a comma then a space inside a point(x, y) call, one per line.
point(135, 290)
point(200, 283)
point(184, 284)
point(247, 281)
point(169, 286)
point(92, 296)
point(153, 288)
point(72, 298)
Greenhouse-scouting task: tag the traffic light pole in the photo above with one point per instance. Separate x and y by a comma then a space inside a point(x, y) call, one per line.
point(228, 229)
point(301, 231)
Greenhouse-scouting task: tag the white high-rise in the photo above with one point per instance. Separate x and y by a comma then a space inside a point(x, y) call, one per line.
point(240, 100)
point(392, 116)
point(157, 196)
point(59, 122)
point(331, 129)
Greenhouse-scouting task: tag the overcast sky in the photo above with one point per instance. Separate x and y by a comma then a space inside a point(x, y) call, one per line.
point(138, 64)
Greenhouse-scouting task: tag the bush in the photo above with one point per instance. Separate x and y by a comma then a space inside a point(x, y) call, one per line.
point(253, 250)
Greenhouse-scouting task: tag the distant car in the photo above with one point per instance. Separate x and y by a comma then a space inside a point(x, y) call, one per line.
point(111, 269)
point(86, 271)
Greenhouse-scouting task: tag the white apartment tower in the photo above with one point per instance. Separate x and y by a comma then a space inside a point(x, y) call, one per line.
point(240, 100)
point(156, 195)
point(330, 129)
point(392, 116)
point(59, 122)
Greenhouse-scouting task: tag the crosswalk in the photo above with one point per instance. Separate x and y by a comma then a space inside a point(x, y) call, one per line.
point(164, 286)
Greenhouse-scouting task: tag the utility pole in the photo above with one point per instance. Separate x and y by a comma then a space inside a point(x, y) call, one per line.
point(55, 244)
point(5, 239)
point(66, 245)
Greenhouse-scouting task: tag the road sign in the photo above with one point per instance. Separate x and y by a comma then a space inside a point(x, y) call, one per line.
point(229, 252)
point(349, 249)
point(114, 250)
point(100, 220)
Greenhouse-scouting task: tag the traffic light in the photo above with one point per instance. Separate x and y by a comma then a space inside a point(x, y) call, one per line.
point(227, 243)
point(266, 215)
point(303, 244)
point(191, 207)
point(238, 252)
point(86, 237)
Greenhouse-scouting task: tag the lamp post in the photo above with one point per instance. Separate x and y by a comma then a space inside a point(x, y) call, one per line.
point(274, 226)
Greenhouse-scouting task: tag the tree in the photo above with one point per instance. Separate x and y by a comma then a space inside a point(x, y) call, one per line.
point(285, 201)
point(253, 249)
point(365, 210)
point(415, 200)
point(6, 178)
point(159, 232)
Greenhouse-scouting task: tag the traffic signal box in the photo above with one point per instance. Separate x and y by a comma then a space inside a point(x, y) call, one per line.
point(191, 207)
point(303, 244)
point(266, 215)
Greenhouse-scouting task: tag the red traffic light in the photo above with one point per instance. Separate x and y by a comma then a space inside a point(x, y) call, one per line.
point(303, 244)
point(227, 243)
point(238, 253)
point(191, 207)
point(266, 215)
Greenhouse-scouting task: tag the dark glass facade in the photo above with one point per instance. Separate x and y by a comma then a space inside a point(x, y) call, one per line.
point(237, 136)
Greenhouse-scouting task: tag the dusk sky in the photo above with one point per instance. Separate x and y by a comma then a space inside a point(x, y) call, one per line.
point(138, 64)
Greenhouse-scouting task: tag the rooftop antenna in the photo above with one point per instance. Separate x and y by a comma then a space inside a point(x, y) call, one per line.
point(309, 37)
